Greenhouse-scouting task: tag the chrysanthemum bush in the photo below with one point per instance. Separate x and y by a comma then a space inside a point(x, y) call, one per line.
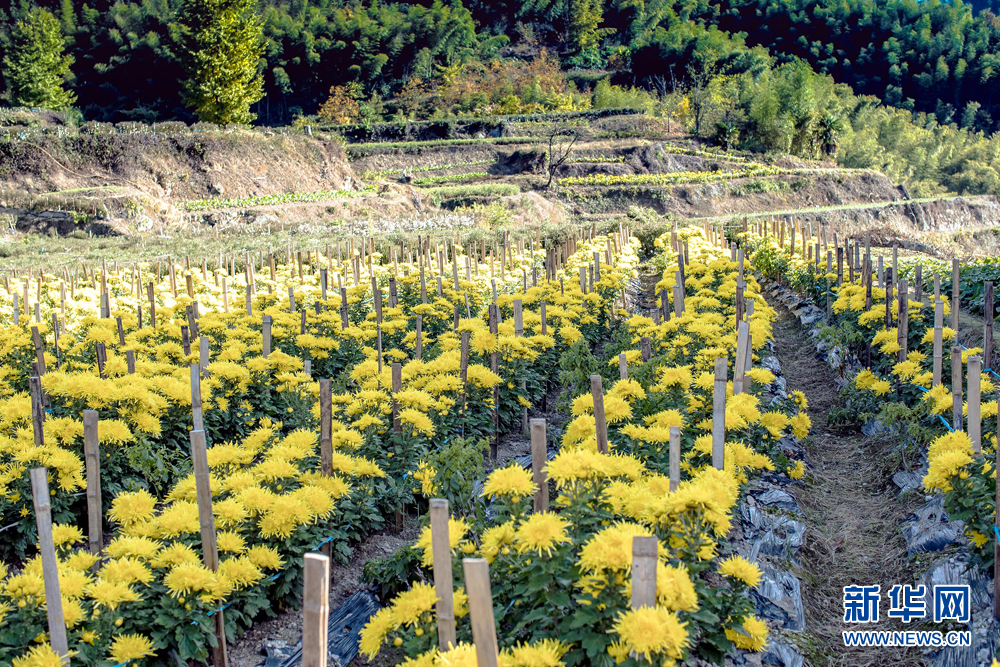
point(153, 599)
point(564, 576)
point(270, 506)
point(900, 393)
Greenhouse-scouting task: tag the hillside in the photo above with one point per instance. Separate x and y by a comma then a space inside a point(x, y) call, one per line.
point(104, 180)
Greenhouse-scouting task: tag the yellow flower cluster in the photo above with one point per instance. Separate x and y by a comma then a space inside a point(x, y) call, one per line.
point(605, 500)
point(261, 409)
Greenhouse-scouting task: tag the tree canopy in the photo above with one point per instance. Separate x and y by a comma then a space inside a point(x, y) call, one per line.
point(131, 57)
point(35, 65)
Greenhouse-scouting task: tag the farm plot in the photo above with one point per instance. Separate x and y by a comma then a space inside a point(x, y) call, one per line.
point(226, 423)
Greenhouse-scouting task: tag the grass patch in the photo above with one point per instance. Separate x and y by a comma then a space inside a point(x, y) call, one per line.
point(373, 175)
point(758, 187)
point(272, 200)
point(737, 221)
point(711, 155)
point(477, 191)
point(98, 188)
point(599, 159)
point(356, 151)
point(755, 170)
point(449, 178)
point(752, 170)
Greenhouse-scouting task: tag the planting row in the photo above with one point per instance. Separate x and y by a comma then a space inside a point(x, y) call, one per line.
point(663, 454)
point(170, 358)
point(898, 338)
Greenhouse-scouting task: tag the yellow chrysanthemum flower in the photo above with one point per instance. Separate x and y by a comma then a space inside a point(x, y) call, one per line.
point(541, 533)
point(740, 568)
point(653, 633)
point(130, 647)
point(512, 480)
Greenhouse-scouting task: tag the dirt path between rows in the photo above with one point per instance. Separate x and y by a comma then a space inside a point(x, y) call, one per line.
point(851, 512)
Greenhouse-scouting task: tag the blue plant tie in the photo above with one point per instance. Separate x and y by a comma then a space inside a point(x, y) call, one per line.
point(215, 611)
point(941, 417)
point(316, 548)
point(222, 608)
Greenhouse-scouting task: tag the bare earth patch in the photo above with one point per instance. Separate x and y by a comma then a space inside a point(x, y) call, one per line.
point(852, 515)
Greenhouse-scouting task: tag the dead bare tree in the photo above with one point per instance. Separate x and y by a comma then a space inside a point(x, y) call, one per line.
point(561, 142)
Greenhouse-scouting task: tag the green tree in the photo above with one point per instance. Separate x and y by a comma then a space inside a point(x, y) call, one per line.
point(35, 66)
point(584, 18)
point(828, 131)
point(222, 42)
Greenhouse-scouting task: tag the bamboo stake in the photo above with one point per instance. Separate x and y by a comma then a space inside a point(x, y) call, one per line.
point(196, 410)
point(206, 521)
point(644, 562)
point(988, 325)
point(315, 609)
point(622, 366)
point(493, 316)
point(597, 391)
point(102, 356)
point(742, 348)
point(266, 336)
point(996, 543)
point(956, 387)
point(55, 336)
point(719, 413)
point(840, 267)
point(418, 342)
point(903, 319)
point(955, 294)
point(39, 350)
point(484, 636)
point(397, 386)
point(37, 410)
point(50, 565)
point(92, 458)
point(675, 457)
point(326, 426)
point(539, 458)
point(975, 422)
point(443, 577)
point(463, 366)
point(888, 304)
point(203, 355)
point(938, 342)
